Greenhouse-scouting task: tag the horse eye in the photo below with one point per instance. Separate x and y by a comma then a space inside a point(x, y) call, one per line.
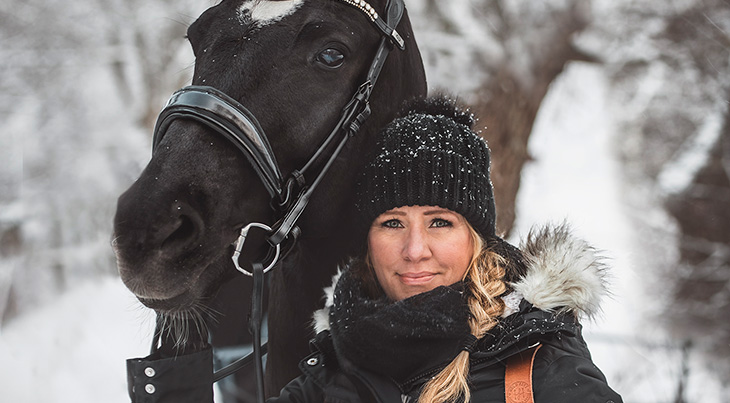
point(331, 57)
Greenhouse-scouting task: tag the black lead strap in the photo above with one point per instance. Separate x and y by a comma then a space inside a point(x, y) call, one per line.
point(242, 362)
point(257, 314)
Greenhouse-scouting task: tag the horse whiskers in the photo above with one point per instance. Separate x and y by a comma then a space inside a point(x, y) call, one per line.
point(208, 311)
point(177, 326)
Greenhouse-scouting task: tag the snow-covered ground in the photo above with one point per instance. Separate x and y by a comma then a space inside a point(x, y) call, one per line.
point(74, 350)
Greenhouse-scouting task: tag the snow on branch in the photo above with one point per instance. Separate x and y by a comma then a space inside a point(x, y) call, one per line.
point(678, 174)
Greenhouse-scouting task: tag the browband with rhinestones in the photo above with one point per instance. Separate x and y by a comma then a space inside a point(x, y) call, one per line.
point(364, 6)
point(369, 10)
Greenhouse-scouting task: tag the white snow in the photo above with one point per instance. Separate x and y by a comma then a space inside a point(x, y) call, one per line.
point(74, 349)
point(575, 178)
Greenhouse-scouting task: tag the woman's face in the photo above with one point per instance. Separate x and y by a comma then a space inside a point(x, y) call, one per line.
point(415, 249)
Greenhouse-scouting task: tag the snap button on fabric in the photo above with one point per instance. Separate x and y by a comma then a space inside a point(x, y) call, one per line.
point(149, 388)
point(149, 371)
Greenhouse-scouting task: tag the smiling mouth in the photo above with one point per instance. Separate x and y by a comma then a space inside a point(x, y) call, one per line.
point(416, 278)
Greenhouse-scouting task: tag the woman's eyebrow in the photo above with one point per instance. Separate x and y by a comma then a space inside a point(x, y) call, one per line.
point(439, 211)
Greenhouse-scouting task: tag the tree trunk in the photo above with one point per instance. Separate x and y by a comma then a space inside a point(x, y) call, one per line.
point(507, 106)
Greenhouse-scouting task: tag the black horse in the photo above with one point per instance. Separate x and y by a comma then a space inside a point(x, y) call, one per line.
point(294, 64)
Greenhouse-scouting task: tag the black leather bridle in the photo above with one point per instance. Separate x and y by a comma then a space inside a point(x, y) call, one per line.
point(289, 196)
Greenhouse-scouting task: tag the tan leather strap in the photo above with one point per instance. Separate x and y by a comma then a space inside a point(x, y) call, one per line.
point(518, 377)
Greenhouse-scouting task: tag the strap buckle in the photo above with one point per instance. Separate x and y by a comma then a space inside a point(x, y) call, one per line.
point(239, 247)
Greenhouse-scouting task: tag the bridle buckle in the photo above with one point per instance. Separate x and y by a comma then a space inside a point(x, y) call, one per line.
point(242, 240)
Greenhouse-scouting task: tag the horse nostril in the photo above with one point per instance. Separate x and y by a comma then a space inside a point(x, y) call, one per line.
point(182, 233)
point(183, 230)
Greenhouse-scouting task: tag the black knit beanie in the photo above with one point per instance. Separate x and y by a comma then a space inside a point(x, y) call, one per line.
point(430, 157)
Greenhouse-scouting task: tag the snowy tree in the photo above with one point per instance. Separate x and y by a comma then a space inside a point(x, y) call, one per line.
point(511, 51)
point(670, 66)
point(668, 63)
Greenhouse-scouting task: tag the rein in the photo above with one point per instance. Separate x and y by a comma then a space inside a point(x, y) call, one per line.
point(289, 196)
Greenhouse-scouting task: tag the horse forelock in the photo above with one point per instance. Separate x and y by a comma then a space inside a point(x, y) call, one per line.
point(265, 12)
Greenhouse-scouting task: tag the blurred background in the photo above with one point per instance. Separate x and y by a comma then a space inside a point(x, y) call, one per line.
point(612, 115)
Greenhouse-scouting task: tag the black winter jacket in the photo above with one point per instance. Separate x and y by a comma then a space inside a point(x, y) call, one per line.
point(564, 281)
point(562, 372)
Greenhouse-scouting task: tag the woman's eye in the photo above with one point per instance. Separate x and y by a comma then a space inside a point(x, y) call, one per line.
point(391, 224)
point(440, 222)
point(331, 58)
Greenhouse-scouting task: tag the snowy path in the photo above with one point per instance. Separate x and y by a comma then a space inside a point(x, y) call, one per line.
point(74, 350)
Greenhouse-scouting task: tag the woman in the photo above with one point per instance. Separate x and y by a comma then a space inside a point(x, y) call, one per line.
point(439, 308)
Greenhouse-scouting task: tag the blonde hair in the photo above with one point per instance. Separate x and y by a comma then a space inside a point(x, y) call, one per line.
point(485, 283)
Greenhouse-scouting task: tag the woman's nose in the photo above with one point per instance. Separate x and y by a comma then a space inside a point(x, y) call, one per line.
point(416, 246)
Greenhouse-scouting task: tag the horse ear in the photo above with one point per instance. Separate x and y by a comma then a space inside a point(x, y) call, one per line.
point(443, 105)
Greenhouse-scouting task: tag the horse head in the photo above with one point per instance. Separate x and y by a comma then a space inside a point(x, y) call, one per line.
point(294, 64)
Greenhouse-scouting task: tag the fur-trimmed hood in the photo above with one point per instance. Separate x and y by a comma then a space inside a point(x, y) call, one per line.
point(564, 274)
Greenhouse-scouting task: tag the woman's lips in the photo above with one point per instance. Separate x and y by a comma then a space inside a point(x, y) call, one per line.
point(416, 278)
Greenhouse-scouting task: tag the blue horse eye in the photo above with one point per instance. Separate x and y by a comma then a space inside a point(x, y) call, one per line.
point(331, 57)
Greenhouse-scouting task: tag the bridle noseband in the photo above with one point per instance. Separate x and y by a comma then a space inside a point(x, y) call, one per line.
point(290, 195)
point(228, 118)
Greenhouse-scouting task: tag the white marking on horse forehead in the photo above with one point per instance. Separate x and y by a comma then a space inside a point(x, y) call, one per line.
point(264, 12)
